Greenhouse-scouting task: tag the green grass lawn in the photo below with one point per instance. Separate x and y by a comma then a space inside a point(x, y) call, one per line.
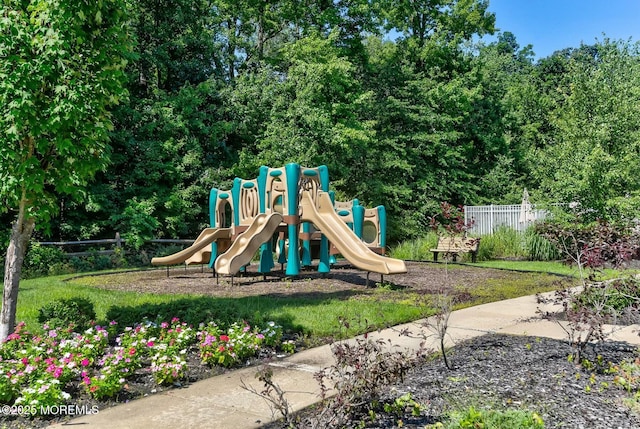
point(552, 267)
point(316, 317)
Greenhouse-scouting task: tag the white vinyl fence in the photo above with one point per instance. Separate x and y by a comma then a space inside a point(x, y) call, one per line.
point(486, 219)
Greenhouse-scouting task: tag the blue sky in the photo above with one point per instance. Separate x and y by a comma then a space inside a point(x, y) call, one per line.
point(553, 25)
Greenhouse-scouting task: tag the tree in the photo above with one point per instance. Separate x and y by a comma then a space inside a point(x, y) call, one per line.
point(592, 157)
point(509, 106)
point(61, 68)
point(175, 44)
point(435, 132)
point(314, 113)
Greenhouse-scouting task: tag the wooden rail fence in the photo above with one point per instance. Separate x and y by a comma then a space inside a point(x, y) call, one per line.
point(116, 243)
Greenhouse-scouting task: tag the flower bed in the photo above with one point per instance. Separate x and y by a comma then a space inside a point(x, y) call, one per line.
point(38, 372)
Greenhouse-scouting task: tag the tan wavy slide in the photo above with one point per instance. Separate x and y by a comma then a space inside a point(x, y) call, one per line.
point(246, 244)
point(198, 252)
point(348, 244)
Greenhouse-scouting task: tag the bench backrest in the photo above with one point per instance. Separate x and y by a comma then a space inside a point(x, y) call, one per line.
point(458, 243)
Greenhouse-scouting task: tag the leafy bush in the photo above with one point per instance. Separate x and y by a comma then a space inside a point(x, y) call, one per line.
point(138, 220)
point(616, 296)
point(192, 311)
point(364, 369)
point(77, 313)
point(44, 261)
point(592, 245)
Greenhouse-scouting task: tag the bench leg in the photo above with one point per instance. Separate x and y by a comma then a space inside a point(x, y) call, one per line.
point(473, 257)
point(454, 257)
point(435, 256)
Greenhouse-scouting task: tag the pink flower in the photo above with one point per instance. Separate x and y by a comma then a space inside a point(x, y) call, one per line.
point(175, 320)
point(224, 338)
point(150, 344)
point(53, 333)
point(84, 362)
point(208, 340)
point(164, 325)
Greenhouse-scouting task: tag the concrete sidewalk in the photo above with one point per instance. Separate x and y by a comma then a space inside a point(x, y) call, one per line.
point(221, 402)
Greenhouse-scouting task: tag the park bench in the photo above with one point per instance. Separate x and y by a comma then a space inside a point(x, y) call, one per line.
point(454, 245)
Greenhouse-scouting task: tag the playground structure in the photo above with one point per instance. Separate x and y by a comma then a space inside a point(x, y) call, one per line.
point(291, 204)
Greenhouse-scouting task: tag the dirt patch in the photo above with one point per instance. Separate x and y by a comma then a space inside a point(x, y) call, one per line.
point(421, 278)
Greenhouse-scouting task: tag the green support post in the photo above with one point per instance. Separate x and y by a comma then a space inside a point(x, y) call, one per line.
point(293, 177)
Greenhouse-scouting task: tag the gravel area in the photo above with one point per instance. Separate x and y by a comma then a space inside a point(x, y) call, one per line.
point(519, 372)
point(531, 373)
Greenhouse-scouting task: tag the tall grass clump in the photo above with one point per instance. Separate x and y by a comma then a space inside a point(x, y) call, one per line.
point(503, 243)
point(417, 249)
point(539, 248)
point(507, 243)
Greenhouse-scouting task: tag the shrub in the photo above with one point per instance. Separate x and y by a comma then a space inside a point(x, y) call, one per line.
point(77, 313)
point(617, 296)
point(45, 260)
point(191, 311)
point(364, 369)
point(594, 245)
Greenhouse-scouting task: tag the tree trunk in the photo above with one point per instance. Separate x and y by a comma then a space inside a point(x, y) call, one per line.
point(20, 235)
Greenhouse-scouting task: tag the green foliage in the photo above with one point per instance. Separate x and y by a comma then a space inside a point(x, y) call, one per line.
point(626, 375)
point(538, 248)
point(417, 249)
point(616, 297)
point(194, 312)
point(400, 405)
point(590, 160)
point(62, 69)
point(504, 242)
point(76, 313)
point(507, 419)
point(45, 260)
point(137, 222)
point(315, 114)
point(218, 89)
